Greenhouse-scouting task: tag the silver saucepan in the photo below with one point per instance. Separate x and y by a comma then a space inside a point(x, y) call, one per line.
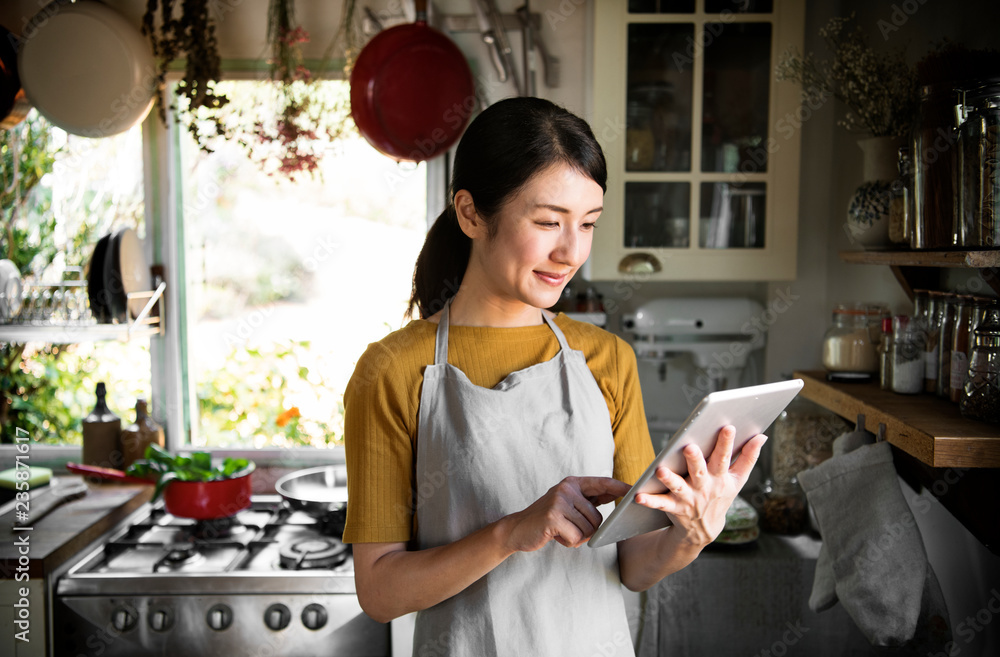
point(320, 492)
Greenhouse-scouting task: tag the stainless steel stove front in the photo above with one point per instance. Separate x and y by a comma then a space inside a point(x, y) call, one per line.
point(247, 606)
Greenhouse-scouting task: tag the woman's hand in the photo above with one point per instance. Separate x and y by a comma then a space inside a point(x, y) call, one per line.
point(697, 503)
point(567, 513)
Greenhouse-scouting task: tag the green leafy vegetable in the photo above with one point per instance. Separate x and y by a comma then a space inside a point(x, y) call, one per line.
point(163, 466)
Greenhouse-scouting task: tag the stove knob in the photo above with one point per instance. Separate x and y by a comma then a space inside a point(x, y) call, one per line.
point(161, 620)
point(314, 616)
point(277, 617)
point(124, 619)
point(219, 617)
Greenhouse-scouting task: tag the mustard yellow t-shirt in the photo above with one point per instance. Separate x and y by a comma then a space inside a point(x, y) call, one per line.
point(383, 397)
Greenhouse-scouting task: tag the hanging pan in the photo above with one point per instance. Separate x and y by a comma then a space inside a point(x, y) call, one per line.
point(412, 91)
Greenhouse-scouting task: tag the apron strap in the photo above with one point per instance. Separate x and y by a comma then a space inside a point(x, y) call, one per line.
point(441, 340)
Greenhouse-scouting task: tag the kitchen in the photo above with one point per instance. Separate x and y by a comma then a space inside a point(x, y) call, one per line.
point(799, 304)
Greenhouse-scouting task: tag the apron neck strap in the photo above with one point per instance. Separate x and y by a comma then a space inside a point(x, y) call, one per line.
point(441, 341)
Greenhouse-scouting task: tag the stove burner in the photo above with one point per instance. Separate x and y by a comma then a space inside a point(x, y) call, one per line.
point(207, 530)
point(178, 558)
point(313, 553)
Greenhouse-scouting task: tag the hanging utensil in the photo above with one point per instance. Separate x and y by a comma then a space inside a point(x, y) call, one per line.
point(502, 45)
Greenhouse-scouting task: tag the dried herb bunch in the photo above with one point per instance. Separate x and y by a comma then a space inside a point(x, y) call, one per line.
point(298, 118)
point(879, 89)
point(190, 34)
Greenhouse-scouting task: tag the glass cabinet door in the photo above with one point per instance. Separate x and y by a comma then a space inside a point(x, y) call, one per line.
point(698, 170)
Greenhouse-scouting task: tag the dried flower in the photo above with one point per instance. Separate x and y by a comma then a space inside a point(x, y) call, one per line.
point(879, 89)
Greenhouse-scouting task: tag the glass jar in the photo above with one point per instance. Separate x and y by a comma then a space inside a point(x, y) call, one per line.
point(908, 340)
point(802, 438)
point(977, 168)
point(885, 356)
point(981, 392)
point(901, 206)
point(935, 314)
point(848, 346)
point(933, 168)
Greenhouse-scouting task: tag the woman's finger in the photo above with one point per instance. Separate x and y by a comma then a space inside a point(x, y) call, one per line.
point(664, 503)
point(748, 457)
point(697, 468)
point(718, 463)
point(674, 482)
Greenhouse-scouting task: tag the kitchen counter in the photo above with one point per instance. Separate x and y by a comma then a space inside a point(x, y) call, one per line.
point(69, 528)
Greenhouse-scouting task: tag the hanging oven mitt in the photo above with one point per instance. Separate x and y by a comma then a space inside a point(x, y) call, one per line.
point(873, 547)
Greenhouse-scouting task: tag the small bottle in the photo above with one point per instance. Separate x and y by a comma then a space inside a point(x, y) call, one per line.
point(935, 307)
point(907, 356)
point(885, 355)
point(141, 434)
point(102, 434)
point(944, 345)
point(960, 348)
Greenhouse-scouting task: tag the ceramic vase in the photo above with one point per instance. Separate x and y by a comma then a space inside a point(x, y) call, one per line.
point(869, 206)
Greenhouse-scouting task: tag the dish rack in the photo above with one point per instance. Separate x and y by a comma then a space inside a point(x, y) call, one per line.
point(60, 314)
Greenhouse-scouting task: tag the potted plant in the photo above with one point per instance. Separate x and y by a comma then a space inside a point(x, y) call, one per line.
point(880, 92)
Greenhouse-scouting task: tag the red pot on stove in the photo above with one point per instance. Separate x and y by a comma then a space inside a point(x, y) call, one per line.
point(199, 500)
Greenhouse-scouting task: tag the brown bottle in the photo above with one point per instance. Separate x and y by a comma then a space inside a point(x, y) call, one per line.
point(102, 434)
point(140, 435)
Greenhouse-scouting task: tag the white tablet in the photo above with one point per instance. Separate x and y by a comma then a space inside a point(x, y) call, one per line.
point(750, 410)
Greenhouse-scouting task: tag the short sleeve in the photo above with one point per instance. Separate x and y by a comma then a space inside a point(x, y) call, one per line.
point(379, 448)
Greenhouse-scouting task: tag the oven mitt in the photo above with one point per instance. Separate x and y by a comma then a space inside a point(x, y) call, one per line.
point(824, 594)
point(874, 549)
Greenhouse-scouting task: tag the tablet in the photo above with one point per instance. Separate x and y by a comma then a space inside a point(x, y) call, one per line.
point(750, 410)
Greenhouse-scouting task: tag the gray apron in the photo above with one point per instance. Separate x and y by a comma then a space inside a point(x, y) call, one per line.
point(483, 453)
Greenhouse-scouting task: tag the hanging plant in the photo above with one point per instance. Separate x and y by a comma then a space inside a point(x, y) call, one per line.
point(189, 34)
point(287, 127)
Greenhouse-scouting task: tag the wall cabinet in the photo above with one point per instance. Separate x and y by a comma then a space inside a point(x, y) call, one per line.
point(702, 141)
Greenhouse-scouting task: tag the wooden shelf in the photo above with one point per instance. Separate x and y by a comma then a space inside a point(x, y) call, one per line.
point(918, 269)
point(924, 426)
point(964, 259)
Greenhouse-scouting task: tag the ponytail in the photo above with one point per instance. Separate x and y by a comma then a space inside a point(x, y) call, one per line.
point(440, 265)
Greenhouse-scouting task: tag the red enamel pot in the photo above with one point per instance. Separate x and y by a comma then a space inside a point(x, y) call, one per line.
point(200, 500)
point(412, 91)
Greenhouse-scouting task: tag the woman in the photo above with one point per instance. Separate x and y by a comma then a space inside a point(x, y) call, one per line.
point(482, 437)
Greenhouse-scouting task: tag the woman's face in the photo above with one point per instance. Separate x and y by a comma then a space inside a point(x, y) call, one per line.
point(543, 235)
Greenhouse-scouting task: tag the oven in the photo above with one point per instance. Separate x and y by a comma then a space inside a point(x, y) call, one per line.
point(266, 581)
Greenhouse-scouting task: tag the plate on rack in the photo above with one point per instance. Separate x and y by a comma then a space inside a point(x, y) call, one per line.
point(95, 282)
point(125, 272)
point(10, 291)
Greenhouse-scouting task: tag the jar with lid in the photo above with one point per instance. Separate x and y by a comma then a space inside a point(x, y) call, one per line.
point(848, 348)
point(981, 392)
point(803, 438)
point(932, 321)
point(908, 340)
point(977, 167)
point(933, 168)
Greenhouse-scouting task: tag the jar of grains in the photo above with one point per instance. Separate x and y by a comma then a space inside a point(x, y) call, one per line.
point(848, 347)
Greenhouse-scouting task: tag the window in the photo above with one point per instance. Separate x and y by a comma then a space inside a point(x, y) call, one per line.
point(285, 284)
point(69, 191)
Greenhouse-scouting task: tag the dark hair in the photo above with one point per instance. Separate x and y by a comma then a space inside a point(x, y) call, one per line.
point(507, 144)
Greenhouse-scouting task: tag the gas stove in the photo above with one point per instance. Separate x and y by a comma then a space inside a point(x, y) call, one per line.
point(266, 581)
